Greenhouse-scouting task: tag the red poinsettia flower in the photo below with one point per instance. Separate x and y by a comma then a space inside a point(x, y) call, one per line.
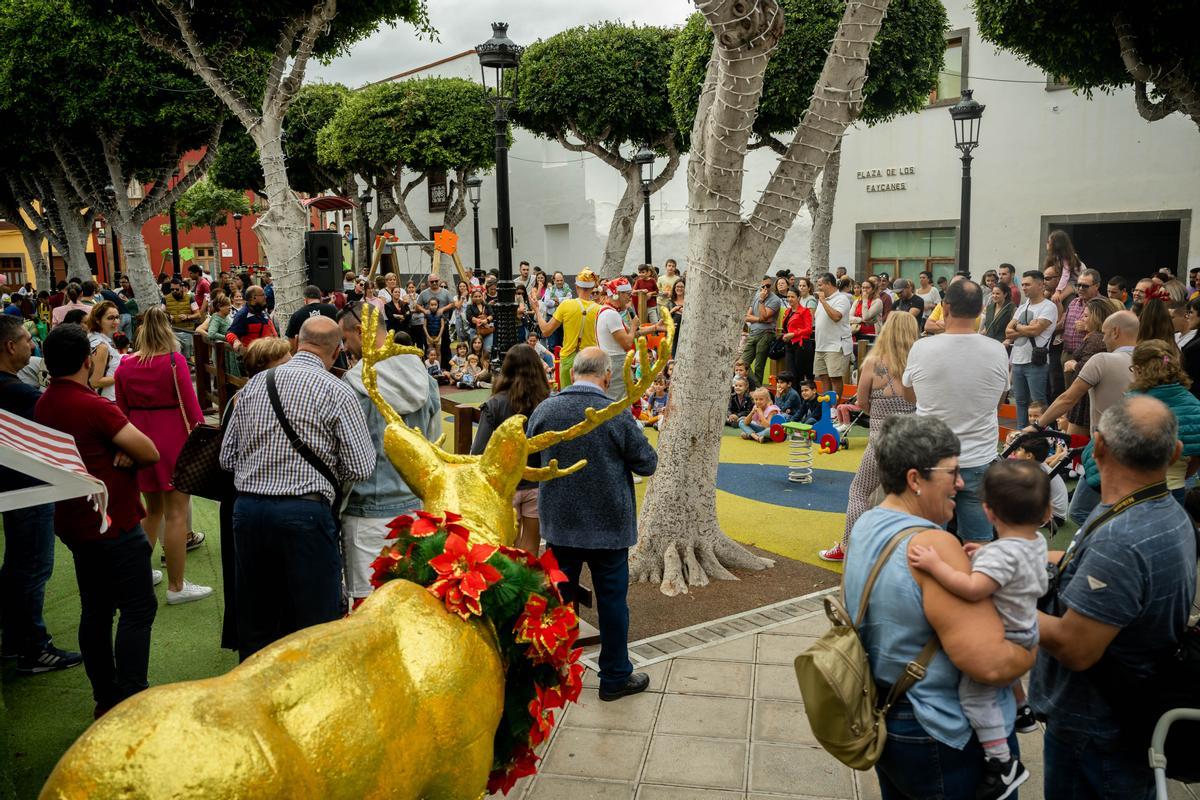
point(426, 524)
point(543, 717)
point(550, 633)
point(524, 763)
point(554, 575)
point(383, 566)
point(519, 555)
point(463, 575)
point(400, 526)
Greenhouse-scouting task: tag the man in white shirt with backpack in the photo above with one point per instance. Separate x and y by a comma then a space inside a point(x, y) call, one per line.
point(1030, 331)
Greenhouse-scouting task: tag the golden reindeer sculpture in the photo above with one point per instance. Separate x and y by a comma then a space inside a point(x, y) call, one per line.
point(401, 699)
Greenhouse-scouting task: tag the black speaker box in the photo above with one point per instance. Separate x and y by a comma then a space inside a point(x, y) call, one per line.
point(323, 257)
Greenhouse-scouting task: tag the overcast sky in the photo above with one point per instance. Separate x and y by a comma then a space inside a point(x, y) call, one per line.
point(462, 24)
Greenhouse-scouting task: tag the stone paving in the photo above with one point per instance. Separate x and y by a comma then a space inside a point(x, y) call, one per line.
point(721, 721)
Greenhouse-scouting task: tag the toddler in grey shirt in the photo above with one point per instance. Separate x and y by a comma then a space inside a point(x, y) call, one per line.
point(1011, 571)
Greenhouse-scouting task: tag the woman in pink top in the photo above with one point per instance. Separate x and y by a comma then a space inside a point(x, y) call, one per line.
point(1060, 252)
point(155, 391)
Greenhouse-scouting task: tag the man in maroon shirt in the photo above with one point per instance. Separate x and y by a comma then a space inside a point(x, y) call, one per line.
point(112, 566)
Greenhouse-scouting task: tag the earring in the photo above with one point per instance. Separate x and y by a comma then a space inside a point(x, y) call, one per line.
point(918, 492)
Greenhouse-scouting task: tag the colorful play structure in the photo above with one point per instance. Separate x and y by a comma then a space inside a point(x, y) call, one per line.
point(829, 438)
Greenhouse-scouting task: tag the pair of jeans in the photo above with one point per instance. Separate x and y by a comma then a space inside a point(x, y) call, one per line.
point(1055, 378)
point(915, 766)
point(114, 576)
point(751, 428)
point(971, 522)
point(754, 354)
point(1083, 502)
point(1081, 766)
point(28, 563)
point(1028, 384)
point(610, 588)
point(289, 568)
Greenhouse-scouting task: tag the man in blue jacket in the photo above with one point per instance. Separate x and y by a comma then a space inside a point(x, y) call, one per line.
point(578, 536)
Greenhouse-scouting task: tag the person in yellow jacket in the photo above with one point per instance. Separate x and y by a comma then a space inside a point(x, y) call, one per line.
point(577, 316)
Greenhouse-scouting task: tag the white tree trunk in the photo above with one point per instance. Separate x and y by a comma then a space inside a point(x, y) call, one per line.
point(681, 543)
point(76, 229)
point(620, 230)
point(35, 247)
point(818, 247)
point(137, 263)
point(281, 230)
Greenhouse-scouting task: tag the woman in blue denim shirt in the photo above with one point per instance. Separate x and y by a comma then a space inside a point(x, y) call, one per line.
point(931, 751)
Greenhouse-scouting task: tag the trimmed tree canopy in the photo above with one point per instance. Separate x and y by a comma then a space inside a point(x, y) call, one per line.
point(905, 60)
point(1081, 41)
point(206, 205)
point(418, 125)
point(605, 83)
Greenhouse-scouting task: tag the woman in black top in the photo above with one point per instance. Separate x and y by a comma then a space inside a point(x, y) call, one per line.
point(998, 313)
point(522, 385)
point(1191, 345)
point(397, 312)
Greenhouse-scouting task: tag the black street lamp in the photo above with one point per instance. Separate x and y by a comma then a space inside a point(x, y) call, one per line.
point(237, 226)
point(500, 57)
point(475, 194)
point(966, 113)
point(364, 200)
point(175, 237)
point(644, 158)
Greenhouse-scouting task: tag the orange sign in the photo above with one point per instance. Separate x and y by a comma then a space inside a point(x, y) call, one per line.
point(445, 242)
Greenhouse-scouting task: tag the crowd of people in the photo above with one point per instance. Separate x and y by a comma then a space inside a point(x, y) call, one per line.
point(310, 490)
point(1089, 369)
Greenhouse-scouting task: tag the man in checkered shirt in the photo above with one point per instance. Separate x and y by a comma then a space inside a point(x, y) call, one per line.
point(289, 570)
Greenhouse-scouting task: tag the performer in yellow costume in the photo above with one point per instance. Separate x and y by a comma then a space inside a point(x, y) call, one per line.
point(577, 316)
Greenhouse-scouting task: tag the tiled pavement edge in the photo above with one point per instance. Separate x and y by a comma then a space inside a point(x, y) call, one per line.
point(723, 720)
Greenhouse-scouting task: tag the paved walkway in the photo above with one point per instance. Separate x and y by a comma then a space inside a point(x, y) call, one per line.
point(724, 721)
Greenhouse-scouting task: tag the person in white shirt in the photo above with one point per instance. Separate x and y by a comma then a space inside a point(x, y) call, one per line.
point(613, 337)
point(959, 377)
point(1030, 331)
point(833, 342)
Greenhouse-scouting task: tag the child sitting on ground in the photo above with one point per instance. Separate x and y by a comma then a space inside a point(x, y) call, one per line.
point(1038, 451)
point(655, 402)
point(787, 398)
point(758, 422)
point(1012, 571)
point(469, 377)
point(810, 407)
point(740, 371)
point(434, 367)
point(740, 403)
point(458, 362)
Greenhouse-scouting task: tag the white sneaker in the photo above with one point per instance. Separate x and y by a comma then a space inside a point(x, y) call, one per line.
point(188, 593)
point(637, 478)
point(157, 575)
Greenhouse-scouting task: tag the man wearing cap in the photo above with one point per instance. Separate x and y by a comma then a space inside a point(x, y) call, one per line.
point(577, 317)
point(613, 337)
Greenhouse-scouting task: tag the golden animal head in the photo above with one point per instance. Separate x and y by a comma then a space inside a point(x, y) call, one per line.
point(480, 488)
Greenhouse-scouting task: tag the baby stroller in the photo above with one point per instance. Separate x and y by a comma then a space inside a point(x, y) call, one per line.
point(1158, 746)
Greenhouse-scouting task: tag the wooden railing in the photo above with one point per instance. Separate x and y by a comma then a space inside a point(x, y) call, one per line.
point(465, 418)
point(212, 377)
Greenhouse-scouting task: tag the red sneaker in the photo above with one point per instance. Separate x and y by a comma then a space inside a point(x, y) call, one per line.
point(834, 553)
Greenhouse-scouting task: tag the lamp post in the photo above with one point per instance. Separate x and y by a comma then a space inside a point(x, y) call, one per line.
point(364, 200)
point(178, 271)
point(501, 58)
point(474, 193)
point(966, 113)
point(237, 226)
point(644, 158)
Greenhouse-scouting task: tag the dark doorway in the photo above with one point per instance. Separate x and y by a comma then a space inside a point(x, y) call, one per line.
point(1132, 250)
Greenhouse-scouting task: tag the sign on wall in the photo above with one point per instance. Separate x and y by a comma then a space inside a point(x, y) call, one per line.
point(887, 172)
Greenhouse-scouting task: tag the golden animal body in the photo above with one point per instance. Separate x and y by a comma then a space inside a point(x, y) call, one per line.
point(400, 700)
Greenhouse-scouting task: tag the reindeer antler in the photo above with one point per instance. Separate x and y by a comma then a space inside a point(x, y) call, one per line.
point(372, 355)
point(633, 390)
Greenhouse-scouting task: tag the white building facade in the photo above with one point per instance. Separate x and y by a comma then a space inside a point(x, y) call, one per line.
point(1126, 190)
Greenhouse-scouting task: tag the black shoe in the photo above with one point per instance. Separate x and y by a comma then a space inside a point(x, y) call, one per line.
point(1026, 722)
point(49, 660)
point(637, 682)
point(194, 540)
point(1001, 779)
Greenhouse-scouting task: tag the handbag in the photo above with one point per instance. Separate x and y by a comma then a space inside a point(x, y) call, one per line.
point(198, 470)
point(777, 349)
point(836, 682)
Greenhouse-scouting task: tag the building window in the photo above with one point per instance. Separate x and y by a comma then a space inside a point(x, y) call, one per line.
point(202, 255)
point(12, 271)
point(953, 74)
point(438, 192)
point(908, 253)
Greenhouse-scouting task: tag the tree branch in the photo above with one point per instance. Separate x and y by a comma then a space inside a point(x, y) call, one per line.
point(768, 141)
point(163, 194)
point(322, 15)
point(283, 49)
point(1179, 93)
point(587, 145)
point(1150, 110)
point(836, 102)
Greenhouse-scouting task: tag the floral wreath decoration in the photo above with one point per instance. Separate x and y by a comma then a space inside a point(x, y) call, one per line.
point(517, 594)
